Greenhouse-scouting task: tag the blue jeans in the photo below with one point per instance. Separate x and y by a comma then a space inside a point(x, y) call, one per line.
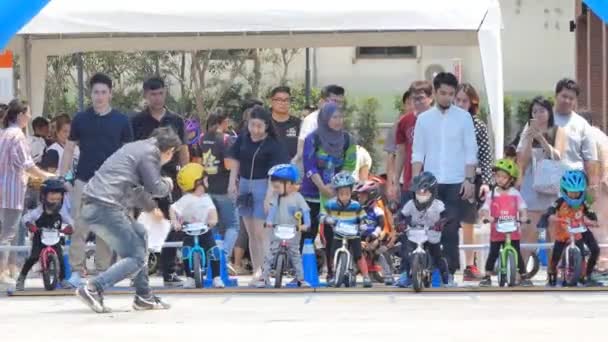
point(127, 237)
point(228, 220)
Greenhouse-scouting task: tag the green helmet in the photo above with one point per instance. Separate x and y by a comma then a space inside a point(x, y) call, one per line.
point(508, 166)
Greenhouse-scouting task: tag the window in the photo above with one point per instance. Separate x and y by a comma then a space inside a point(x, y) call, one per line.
point(386, 52)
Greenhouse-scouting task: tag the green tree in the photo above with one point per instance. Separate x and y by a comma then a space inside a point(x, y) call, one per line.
point(367, 124)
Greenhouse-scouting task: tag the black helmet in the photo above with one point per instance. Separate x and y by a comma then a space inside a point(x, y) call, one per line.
point(52, 185)
point(424, 181)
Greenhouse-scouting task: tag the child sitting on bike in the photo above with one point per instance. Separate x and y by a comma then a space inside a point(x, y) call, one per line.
point(288, 207)
point(51, 213)
point(377, 230)
point(343, 208)
point(424, 210)
point(196, 206)
point(572, 209)
point(504, 202)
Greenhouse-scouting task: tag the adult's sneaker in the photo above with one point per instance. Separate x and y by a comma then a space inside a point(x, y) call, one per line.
point(471, 273)
point(93, 299)
point(218, 283)
point(172, 280)
point(151, 302)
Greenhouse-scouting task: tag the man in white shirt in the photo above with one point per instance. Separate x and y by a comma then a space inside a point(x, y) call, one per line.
point(331, 93)
point(581, 149)
point(445, 145)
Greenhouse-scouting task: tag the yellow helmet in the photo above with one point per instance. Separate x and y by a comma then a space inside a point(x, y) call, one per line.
point(188, 175)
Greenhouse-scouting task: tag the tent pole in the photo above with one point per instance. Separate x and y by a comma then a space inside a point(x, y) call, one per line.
point(307, 77)
point(79, 66)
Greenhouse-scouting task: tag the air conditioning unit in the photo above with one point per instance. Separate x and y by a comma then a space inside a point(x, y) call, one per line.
point(432, 67)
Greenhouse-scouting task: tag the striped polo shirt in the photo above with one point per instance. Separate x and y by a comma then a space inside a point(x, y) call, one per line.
point(15, 158)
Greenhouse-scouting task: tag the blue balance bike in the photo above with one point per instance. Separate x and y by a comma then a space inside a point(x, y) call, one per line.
point(196, 256)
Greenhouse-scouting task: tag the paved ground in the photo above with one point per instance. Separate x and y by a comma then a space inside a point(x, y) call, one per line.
point(312, 317)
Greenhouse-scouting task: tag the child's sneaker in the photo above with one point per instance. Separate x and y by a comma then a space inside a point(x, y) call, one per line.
point(486, 281)
point(404, 280)
point(367, 282)
point(20, 284)
point(451, 282)
point(218, 283)
point(189, 283)
point(151, 302)
point(389, 281)
point(64, 284)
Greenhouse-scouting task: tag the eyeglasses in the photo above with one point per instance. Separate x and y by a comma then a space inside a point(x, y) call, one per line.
point(281, 100)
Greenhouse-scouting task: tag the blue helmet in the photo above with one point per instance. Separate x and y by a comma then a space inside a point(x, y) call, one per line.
point(284, 172)
point(343, 179)
point(573, 181)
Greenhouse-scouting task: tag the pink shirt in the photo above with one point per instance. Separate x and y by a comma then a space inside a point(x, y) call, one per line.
point(506, 205)
point(15, 158)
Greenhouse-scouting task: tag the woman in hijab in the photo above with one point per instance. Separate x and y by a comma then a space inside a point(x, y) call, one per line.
point(327, 151)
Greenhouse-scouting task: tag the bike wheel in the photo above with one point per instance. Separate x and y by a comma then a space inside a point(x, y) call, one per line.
point(574, 268)
point(511, 268)
point(532, 266)
point(418, 272)
point(502, 279)
point(50, 274)
point(279, 268)
point(341, 270)
point(197, 270)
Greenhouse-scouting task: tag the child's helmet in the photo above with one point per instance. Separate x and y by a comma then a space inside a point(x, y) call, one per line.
point(48, 186)
point(573, 181)
point(343, 179)
point(424, 181)
point(189, 175)
point(192, 125)
point(284, 172)
point(371, 188)
point(508, 166)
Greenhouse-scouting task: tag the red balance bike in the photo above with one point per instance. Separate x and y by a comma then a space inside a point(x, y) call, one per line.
point(49, 259)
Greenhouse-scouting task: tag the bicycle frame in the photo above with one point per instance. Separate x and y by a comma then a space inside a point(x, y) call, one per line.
point(45, 253)
point(188, 252)
point(503, 252)
point(343, 249)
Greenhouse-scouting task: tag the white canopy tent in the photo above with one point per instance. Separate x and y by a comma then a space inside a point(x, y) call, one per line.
point(69, 26)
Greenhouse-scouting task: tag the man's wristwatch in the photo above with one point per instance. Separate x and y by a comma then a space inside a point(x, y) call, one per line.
point(470, 180)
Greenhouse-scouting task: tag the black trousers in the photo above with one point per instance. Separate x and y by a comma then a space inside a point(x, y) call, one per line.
point(587, 239)
point(315, 210)
point(494, 254)
point(449, 194)
point(37, 247)
point(168, 256)
point(208, 243)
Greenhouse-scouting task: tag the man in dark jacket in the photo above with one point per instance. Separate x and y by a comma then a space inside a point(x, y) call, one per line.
point(130, 178)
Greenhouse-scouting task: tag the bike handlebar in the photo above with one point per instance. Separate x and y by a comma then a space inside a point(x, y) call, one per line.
point(486, 221)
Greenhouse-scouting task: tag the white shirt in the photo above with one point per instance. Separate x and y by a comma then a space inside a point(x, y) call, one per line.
point(363, 159)
point(309, 125)
point(445, 143)
point(580, 146)
point(37, 147)
point(193, 209)
point(57, 147)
